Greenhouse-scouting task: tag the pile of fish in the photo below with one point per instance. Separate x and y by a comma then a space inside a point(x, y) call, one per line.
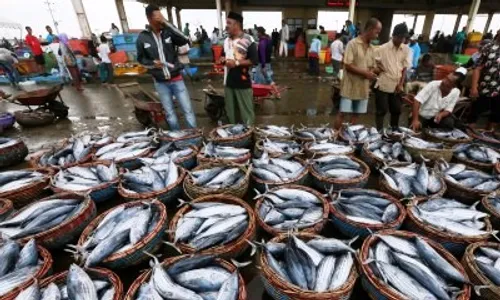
point(136, 136)
point(415, 142)
point(462, 175)
point(7, 142)
point(389, 152)
point(194, 278)
point(97, 140)
point(84, 178)
point(166, 153)
point(232, 130)
point(121, 229)
point(281, 147)
point(73, 152)
point(319, 265)
point(399, 131)
point(451, 216)
point(413, 269)
point(338, 167)
point(78, 286)
point(477, 152)
point(326, 147)
point(290, 208)
point(276, 170)
point(412, 180)
point(218, 177)
point(488, 262)
point(455, 134)
point(275, 131)
point(494, 201)
point(152, 178)
point(365, 206)
point(317, 134)
point(119, 151)
point(13, 180)
point(18, 264)
point(223, 152)
point(211, 224)
point(40, 216)
point(360, 134)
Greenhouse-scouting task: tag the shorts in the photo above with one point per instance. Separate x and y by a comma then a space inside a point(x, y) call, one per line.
point(39, 59)
point(353, 106)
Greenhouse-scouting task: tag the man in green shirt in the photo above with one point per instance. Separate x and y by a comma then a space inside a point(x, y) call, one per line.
point(459, 41)
point(187, 31)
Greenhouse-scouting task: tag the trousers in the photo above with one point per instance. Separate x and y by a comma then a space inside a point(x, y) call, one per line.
point(167, 91)
point(239, 100)
point(283, 49)
point(314, 66)
point(387, 102)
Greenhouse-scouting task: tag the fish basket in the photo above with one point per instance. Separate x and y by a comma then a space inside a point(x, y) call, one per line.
point(99, 193)
point(187, 162)
point(259, 150)
point(312, 154)
point(230, 250)
point(378, 289)
point(446, 141)
point(13, 155)
point(6, 208)
point(35, 160)
point(29, 193)
point(280, 289)
point(94, 274)
point(194, 138)
point(494, 143)
point(373, 161)
point(135, 255)
point(305, 140)
point(260, 135)
point(490, 209)
point(168, 195)
point(316, 228)
point(67, 231)
point(486, 167)
point(130, 163)
point(489, 290)
point(240, 190)
point(430, 154)
point(497, 168)
point(302, 179)
point(145, 277)
point(244, 159)
point(462, 193)
point(325, 183)
point(352, 229)
point(45, 269)
point(453, 242)
point(243, 140)
point(398, 137)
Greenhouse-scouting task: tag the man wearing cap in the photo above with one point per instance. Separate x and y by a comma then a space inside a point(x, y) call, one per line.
point(393, 58)
point(240, 55)
point(434, 104)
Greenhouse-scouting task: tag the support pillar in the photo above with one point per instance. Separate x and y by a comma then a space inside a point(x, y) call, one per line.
point(218, 5)
point(415, 23)
point(227, 6)
point(82, 18)
point(472, 14)
point(122, 15)
point(352, 8)
point(169, 14)
point(178, 15)
point(457, 23)
point(426, 31)
point(488, 23)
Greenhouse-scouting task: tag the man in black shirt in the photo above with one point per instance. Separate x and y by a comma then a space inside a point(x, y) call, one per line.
point(240, 55)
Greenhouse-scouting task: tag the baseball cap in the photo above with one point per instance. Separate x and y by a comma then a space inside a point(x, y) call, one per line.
point(461, 70)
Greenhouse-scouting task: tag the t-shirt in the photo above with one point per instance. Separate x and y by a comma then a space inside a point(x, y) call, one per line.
point(238, 49)
point(34, 44)
point(104, 51)
point(357, 53)
point(432, 101)
point(337, 49)
point(50, 37)
point(315, 46)
point(394, 60)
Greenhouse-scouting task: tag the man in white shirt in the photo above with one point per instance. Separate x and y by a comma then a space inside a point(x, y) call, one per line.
point(434, 104)
point(106, 67)
point(285, 36)
point(337, 49)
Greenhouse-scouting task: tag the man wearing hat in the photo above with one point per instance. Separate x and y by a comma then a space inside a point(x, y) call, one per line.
point(393, 59)
point(240, 55)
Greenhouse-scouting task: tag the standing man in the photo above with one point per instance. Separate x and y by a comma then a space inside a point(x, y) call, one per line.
point(393, 58)
point(156, 50)
point(8, 59)
point(50, 36)
point(351, 29)
point(275, 36)
point(314, 56)
point(359, 70)
point(187, 32)
point(459, 41)
point(240, 55)
point(285, 36)
point(416, 51)
point(34, 44)
point(337, 49)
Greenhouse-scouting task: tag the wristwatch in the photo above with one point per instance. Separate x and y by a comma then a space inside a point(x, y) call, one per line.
point(237, 63)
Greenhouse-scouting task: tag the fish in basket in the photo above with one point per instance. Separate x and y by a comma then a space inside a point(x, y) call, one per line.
point(24, 186)
point(311, 134)
point(233, 135)
point(182, 138)
point(278, 148)
point(422, 150)
point(481, 263)
point(184, 157)
point(12, 151)
point(273, 132)
point(476, 156)
point(380, 153)
point(327, 147)
point(72, 153)
point(216, 153)
point(359, 134)
point(337, 172)
point(268, 172)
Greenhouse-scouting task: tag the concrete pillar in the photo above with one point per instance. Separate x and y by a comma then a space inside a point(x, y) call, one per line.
point(352, 9)
point(82, 18)
point(457, 23)
point(169, 14)
point(385, 17)
point(415, 23)
point(218, 5)
point(178, 15)
point(426, 31)
point(488, 22)
point(227, 6)
point(472, 14)
point(122, 15)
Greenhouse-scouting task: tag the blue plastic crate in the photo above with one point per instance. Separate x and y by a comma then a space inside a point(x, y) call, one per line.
point(126, 47)
point(126, 38)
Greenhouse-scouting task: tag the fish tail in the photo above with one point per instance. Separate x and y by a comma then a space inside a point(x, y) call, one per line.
point(253, 246)
point(478, 288)
point(349, 242)
point(240, 265)
point(474, 206)
point(494, 234)
point(182, 202)
point(155, 259)
point(258, 194)
point(173, 246)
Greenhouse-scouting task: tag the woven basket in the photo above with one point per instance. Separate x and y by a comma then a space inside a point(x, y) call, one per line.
point(351, 229)
point(29, 193)
point(193, 191)
point(262, 185)
point(259, 135)
point(447, 141)
point(13, 154)
point(131, 163)
point(67, 231)
point(94, 273)
point(317, 228)
point(195, 138)
point(497, 168)
point(378, 289)
point(202, 159)
point(462, 193)
point(145, 277)
point(167, 195)
point(312, 154)
point(234, 248)
point(35, 160)
point(6, 208)
point(186, 162)
point(99, 193)
point(431, 154)
point(150, 243)
point(45, 269)
point(259, 150)
point(453, 242)
point(486, 167)
point(243, 140)
point(324, 183)
point(486, 206)
point(305, 140)
point(280, 289)
point(492, 291)
point(478, 138)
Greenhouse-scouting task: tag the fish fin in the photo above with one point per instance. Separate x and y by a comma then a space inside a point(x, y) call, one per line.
point(173, 246)
point(474, 206)
point(240, 265)
point(182, 202)
point(349, 242)
point(258, 194)
point(291, 128)
point(253, 246)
